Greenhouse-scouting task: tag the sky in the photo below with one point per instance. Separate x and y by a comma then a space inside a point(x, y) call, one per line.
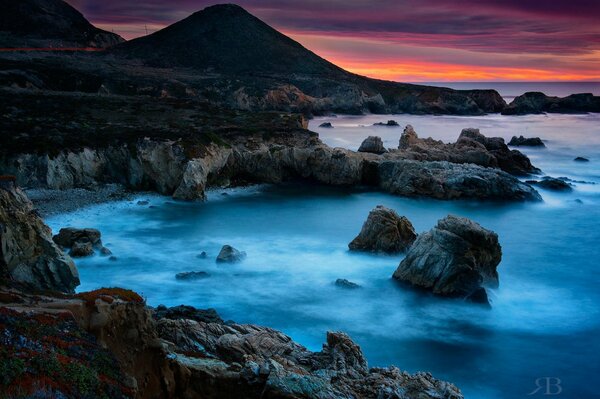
point(409, 40)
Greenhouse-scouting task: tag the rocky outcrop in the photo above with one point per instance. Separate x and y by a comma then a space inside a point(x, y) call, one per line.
point(189, 276)
point(537, 103)
point(229, 254)
point(372, 144)
point(327, 125)
point(471, 147)
point(384, 231)
point(581, 159)
point(457, 258)
point(27, 253)
point(186, 352)
point(526, 142)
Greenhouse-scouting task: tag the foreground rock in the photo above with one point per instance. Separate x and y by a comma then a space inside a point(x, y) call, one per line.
point(537, 103)
point(526, 142)
point(384, 231)
point(229, 254)
point(372, 144)
point(184, 312)
point(457, 258)
point(27, 253)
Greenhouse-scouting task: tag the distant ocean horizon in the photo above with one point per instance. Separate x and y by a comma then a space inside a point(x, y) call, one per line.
point(510, 90)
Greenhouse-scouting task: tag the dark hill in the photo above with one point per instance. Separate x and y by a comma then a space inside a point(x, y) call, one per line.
point(227, 39)
point(48, 23)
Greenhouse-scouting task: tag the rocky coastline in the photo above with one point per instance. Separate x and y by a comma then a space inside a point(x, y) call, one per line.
point(132, 350)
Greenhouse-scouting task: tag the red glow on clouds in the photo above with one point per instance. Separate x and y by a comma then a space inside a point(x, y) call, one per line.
point(410, 40)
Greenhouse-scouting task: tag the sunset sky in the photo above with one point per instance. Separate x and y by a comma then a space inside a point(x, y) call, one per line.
point(409, 40)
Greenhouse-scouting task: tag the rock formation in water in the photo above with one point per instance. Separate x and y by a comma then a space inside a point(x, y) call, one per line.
point(526, 141)
point(49, 23)
point(537, 103)
point(372, 144)
point(581, 159)
point(552, 183)
point(81, 242)
point(229, 254)
point(384, 231)
point(346, 284)
point(27, 253)
point(327, 125)
point(471, 147)
point(457, 258)
point(390, 123)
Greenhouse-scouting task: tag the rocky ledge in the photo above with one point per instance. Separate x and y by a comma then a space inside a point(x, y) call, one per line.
point(184, 159)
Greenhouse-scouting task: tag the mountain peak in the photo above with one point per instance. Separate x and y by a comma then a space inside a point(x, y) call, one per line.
point(226, 38)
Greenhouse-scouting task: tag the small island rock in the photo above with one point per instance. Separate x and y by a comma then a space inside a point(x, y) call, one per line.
point(457, 258)
point(191, 275)
point(343, 283)
point(390, 123)
point(581, 159)
point(229, 254)
point(526, 142)
point(384, 231)
point(326, 125)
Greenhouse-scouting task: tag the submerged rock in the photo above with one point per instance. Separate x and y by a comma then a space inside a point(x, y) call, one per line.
point(384, 231)
point(581, 159)
point(191, 275)
point(552, 183)
point(372, 144)
point(143, 203)
point(526, 142)
point(390, 123)
point(229, 254)
point(343, 283)
point(326, 125)
point(457, 258)
point(202, 255)
point(105, 251)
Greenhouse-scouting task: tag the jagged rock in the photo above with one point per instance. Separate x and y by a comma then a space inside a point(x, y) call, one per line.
point(457, 258)
point(390, 123)
point(81, 249)
point(372, 144)
point(527, 142)
point(27, 253)
point(68, 236)
point(191, 275)
point(551, 183)
point(581, 159)
point(229, 254)
point(184, 312)
point(105, 251)
point(385, 231)
point(326, 125)
point(343, 283)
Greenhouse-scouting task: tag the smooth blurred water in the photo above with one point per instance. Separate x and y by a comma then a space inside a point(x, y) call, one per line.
point(545, 320)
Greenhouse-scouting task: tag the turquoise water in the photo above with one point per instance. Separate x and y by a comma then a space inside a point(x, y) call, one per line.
point(544, 321)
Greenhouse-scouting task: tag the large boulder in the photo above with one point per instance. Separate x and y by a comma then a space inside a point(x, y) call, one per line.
point(457, 258)
point(69, 236)
point(28, 255)
point(372, 144)
point(384, 231)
